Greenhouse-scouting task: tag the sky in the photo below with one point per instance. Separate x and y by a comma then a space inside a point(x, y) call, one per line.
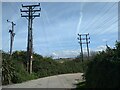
point(55, 31)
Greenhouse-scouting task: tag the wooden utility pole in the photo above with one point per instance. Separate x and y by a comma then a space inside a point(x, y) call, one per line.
point(80, 42)
point(87, 42)
point(30, 16)
point(12, 34)
point(81, 38)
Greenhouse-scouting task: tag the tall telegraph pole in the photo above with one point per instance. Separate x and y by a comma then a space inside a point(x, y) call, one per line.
point(80, 42)
point(30, 15)
point(12, 34)
point(87, 42)
point(86, 38)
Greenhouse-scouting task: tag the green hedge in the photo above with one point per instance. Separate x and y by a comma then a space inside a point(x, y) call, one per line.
point(42, 67)
point(48, 67)
point(104, 70)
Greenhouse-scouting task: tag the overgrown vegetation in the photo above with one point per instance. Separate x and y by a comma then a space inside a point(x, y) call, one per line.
point(7, 69)
point(14, 70)
point(104, 70)
point(48, 67)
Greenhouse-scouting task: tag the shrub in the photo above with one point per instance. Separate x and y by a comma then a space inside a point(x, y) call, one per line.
point(104, 70)
point(42, 67)
point(7, 69)
point(21, 74)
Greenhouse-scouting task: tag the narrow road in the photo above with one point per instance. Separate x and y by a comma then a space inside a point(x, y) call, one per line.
point(57, 81)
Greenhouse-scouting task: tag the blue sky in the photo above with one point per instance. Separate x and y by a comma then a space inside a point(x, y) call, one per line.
point(55, 32)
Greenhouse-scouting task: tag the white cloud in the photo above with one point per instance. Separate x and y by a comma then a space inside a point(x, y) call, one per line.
point(68, 53)
point(65, 53)
point(101, 48)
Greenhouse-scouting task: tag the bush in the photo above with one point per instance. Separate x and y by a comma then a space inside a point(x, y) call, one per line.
point(14, 70)
point(48, 67)
point(21, 74)
point(7, 69)
point(104, 70)
point(42, 67)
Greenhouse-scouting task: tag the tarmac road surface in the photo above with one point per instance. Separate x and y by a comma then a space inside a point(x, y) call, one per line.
point(57, 81)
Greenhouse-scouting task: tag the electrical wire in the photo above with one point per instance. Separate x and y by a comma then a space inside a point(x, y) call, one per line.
point(95, 18)
point(100, 19)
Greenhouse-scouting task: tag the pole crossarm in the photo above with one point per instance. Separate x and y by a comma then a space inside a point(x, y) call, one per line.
point(82, 38)
point(31, 16)
point(32, 10)
point(84, 42)
point(30, 5)
point(83, 34)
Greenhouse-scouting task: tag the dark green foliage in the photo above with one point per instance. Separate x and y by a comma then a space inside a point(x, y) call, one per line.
point(13, 70)
point(104, 70)
point(47, 67)
point(7, 69)
point(19, 61)
point(21, 74)
point(42, 67)
point(20, 56)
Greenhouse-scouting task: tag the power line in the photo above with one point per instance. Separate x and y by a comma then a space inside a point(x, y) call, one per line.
point(105, 13)
point(106, 26)
point(109, 27)
point(95, 18)
point(99, 18)
point(101, 26)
